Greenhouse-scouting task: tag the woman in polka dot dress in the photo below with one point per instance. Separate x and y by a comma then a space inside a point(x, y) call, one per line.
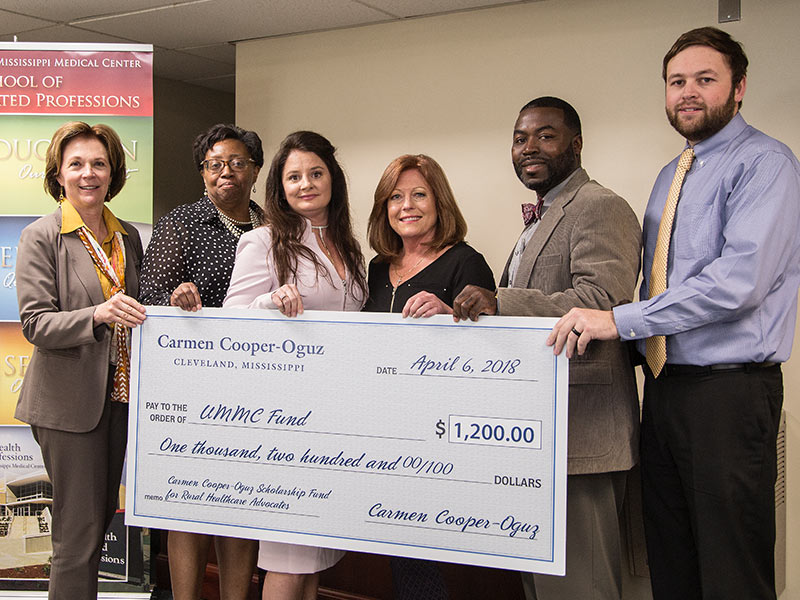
point(188, 264)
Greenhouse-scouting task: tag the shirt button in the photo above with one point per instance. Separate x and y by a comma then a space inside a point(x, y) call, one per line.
point(632, 333)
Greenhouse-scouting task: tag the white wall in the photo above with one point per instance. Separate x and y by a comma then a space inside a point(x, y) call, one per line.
point(451, 87)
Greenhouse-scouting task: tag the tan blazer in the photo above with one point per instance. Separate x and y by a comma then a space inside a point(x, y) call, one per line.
point(585, 253)
point(57, 289)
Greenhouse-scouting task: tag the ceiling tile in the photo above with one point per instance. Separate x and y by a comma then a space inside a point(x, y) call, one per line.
point(65, 33)
point(11, 23)
point(416, 8)
point(79, 9)
point(218, 21)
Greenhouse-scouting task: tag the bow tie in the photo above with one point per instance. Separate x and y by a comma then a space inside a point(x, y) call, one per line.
point(532, 212)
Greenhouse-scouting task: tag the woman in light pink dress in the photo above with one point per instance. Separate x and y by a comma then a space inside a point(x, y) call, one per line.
point(304, 257)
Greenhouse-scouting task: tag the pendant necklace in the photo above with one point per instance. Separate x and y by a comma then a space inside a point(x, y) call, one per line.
point(401, 275)
point(320, 231)
point(400, 278)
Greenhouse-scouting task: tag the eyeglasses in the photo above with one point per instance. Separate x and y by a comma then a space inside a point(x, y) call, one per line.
point(216, 165)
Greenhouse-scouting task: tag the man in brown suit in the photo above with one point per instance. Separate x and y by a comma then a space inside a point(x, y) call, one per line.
point(580, 248)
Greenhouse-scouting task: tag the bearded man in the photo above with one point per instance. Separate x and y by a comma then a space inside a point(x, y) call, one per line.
point(716, 319)
point(580, 247)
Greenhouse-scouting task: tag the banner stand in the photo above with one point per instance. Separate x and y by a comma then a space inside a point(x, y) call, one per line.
point(43, 85)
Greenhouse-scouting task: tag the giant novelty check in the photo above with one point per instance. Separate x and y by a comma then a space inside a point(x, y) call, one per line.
point(359, 431)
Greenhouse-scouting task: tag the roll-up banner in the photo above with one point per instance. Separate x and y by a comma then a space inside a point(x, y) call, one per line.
point(43, 85)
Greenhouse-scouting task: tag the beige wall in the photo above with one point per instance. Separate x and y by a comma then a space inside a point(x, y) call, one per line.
point(451, 87)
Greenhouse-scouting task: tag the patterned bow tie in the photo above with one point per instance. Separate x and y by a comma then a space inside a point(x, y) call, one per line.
point(532, 212)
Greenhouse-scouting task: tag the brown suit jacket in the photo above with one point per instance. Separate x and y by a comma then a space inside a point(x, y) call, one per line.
point(585, 253)
point(57, 289)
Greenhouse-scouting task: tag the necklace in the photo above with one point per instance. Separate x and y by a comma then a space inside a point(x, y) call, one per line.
point(320, 231)
point(401, 275)
point(234, 226)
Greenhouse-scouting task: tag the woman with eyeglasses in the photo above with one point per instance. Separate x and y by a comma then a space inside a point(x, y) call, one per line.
point(188, 264)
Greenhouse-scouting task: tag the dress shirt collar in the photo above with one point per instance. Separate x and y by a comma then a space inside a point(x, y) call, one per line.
point(207, 209)
point(72, 221)
point(550, 196)
point(717, 142)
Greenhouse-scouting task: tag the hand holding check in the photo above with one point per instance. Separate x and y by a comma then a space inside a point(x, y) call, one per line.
point(580, 326)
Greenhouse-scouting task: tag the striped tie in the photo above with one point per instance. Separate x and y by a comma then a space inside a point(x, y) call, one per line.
point(657, 344)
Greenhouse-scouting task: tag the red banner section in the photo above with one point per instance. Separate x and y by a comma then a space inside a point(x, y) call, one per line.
point(76, 82)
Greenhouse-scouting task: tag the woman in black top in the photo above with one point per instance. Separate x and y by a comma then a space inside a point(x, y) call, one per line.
point(188, 264)
point(418, 232)
point(422, 264)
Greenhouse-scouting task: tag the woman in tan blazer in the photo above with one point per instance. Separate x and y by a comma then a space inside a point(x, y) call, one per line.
point(77, 277)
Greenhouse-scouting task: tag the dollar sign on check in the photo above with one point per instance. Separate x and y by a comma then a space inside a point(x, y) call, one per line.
point(440, 428)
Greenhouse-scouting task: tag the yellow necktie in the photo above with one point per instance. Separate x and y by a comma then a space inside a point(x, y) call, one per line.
point(657, 345)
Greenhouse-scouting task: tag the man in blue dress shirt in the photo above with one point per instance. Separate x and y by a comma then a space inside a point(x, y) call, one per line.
point(710, 414)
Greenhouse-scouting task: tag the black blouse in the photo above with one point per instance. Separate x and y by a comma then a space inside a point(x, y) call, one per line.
point(445, 277)
point(189, 243)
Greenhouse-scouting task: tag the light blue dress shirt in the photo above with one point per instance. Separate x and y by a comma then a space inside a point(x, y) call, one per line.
point(734, 258)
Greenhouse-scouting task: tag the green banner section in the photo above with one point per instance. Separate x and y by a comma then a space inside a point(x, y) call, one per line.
point(23, 145)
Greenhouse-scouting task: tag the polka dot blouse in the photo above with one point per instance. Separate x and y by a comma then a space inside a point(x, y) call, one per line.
point(189, 243)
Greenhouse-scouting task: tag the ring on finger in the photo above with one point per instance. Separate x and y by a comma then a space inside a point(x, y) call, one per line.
point(576, 332)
